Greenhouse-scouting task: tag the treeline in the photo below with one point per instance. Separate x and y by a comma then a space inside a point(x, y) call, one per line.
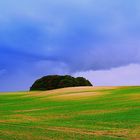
point(57, 81)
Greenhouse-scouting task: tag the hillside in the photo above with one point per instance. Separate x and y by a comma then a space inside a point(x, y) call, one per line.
point(84, 113)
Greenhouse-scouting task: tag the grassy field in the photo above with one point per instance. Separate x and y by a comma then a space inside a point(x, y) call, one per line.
point(100, 113)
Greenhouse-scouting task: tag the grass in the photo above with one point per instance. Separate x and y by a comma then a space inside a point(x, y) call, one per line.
point(105, 113)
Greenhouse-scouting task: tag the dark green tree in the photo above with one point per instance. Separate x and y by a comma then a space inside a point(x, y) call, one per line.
point(56, 81)
point(82, 82)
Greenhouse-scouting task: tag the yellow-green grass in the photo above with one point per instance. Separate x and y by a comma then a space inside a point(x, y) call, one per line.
point(84, 113)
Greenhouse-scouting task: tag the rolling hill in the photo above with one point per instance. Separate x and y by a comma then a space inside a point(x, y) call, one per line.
point(83, 113)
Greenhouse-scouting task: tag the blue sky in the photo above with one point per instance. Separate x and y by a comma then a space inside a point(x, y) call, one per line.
point(98, 39)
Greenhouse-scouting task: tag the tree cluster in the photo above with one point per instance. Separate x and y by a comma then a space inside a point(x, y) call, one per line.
point(57, 81)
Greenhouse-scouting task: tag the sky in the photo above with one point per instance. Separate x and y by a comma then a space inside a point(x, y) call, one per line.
point(97, 39)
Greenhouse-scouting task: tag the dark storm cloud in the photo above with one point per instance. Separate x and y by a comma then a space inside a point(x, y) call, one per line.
point(50, 37)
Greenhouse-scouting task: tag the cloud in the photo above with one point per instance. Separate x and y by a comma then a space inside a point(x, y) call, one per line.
point(52, 37)
point(2, 72)
point(121, 76)
point(72, 30)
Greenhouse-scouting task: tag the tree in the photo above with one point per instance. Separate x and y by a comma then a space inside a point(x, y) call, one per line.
point(57, 81)
point(82, 82)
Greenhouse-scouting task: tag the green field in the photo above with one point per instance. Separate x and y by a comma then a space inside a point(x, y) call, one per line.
point(104, 113)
